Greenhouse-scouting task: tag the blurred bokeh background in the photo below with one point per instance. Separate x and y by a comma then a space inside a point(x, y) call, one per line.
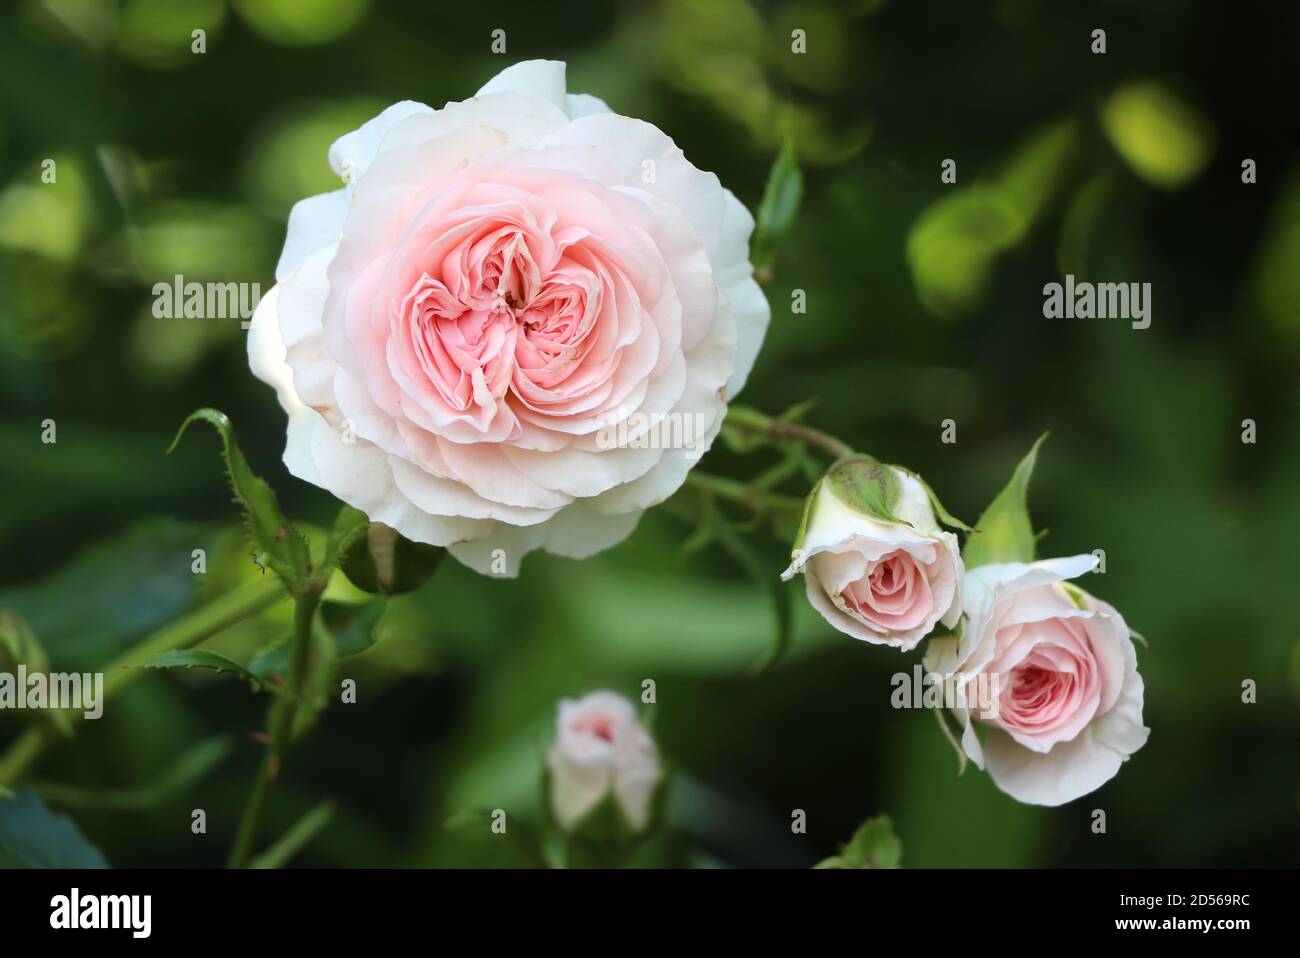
point(924, 303)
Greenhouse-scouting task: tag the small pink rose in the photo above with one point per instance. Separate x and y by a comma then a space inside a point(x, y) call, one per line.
point(885, 582)
point(1068, 706)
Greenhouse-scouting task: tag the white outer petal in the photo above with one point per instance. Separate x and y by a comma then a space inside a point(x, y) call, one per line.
point(540, 79)
point(584, 104)
point(352, 153)
point(735, 276)
point(266, 352)
point(575, 532)
point(314, 224)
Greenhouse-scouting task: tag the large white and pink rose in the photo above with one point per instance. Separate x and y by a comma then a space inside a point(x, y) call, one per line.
point(496, 284)
point(1062, 666)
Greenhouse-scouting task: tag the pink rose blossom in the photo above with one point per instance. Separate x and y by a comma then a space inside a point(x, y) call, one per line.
point(496, 283)
point(1069, 704)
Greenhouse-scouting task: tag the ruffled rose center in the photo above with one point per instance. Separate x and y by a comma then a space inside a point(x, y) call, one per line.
point(895, 593)
point(1051, 692)
point(512, 321)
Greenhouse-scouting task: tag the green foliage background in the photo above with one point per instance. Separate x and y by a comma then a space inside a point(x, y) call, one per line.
point(924, 304)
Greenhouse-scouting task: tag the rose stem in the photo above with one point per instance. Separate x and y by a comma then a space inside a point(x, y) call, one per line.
point(751, 420)
point(733, 491)
point(282, 715)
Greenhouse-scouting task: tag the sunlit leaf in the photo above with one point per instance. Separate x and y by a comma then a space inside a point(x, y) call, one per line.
point(1162, 138)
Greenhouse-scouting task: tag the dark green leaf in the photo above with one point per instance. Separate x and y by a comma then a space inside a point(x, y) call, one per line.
point(202, 659)
point(383, 562)
point(19, 646)
point(185, 771)
point(113, 592)
point(526, 840)
point(349, 526)
point(352, 625)
point(31, 836)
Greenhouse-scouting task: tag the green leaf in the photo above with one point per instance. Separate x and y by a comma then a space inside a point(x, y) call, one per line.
point(296, 838)
point(19, 646)
point(777, 210)
point(352, 627)
point(31, 836)
point(380, 560)
point(526, 840)
point(115, 591)
point(185, 771)
point(865, 485)
point(280, 546)
point(874, 845)
point(203, 659)
point(349, 526)
point(1004, 532)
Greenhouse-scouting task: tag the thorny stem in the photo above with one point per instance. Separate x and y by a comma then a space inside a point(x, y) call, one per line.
point(283, 712)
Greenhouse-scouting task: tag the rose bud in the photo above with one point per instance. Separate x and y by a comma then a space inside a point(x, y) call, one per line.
point(876, 564)
point(601, 752)
point(1058, 668)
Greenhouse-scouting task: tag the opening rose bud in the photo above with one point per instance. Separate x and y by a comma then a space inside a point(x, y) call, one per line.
point(876, 564)
point(1069, 706)
point(601, 750)
point(497, 285)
